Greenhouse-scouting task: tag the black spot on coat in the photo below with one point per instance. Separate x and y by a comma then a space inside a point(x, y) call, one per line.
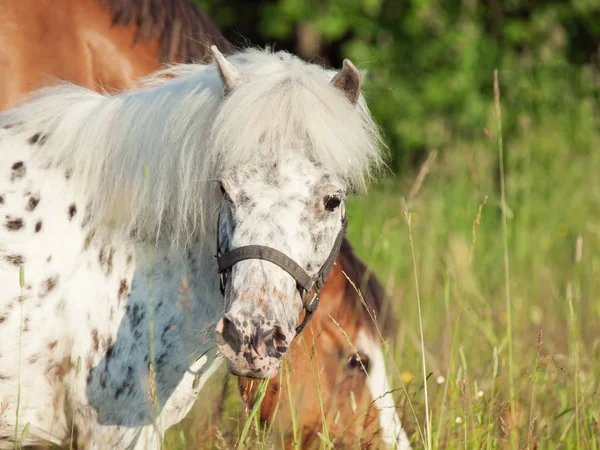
point(135, 316)
point(48, 286)
point(32, 203)
point(95, 339)
point(249, 357)
point(15, 260)
point(18, 171)
point(34, 139)
point(72, 211)
point(122, 288)
point(13, 224)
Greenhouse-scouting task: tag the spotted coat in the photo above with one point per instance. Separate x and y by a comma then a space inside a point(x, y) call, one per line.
point(84, 304)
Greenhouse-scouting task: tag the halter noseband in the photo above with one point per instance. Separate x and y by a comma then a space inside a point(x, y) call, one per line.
point(305, 284)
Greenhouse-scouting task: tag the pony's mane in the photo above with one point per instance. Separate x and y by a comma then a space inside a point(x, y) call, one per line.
point(372, 293)
point(184, 30)
point(180, 127)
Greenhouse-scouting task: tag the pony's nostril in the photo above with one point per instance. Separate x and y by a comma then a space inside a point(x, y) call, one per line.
point(261, 335)
point(225, 321)
point(261, 340)
point(265, 341)
point(231, 335)
point(228, 328)
point(279, 335)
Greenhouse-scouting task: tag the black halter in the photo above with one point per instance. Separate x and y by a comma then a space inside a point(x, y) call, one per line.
point(308, 287)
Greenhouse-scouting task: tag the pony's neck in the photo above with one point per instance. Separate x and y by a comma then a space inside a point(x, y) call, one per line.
point(143, 157)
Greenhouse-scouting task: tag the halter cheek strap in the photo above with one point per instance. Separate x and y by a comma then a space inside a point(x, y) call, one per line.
point(308, 287)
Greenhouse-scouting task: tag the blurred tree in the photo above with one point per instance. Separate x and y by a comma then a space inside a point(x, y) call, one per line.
point(430, 62)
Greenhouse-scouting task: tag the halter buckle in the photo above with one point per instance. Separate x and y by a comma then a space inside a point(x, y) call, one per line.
point(309, 305)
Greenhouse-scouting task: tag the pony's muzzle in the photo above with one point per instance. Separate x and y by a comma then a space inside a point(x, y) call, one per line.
point(252, 347)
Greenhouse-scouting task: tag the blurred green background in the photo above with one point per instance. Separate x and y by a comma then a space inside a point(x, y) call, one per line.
point(429, 75)
point(430, 62)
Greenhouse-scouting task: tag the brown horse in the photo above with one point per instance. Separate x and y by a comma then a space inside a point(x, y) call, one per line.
point(110, 44)
point(336, 371)
point(99, 44)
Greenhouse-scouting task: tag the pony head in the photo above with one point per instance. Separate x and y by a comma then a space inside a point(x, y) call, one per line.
point(293, 137)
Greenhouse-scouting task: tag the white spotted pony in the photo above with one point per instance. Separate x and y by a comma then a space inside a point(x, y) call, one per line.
point(112, 307)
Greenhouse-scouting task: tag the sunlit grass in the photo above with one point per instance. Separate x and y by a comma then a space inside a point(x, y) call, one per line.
point(262, 390)
point(503, 208)
point(428, 440)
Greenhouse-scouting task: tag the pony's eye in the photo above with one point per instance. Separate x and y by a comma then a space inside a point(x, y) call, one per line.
point(357, 361)
point(332, 202)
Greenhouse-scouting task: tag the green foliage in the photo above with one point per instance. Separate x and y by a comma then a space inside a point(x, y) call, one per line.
point(430, 62)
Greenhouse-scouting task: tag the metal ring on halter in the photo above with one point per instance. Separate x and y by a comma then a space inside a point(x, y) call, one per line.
point(309, 308)
point(304, 282)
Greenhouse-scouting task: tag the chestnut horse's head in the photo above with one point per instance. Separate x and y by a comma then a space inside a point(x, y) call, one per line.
point(342, 370)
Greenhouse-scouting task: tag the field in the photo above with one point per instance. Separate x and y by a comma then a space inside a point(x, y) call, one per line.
point(510, 297)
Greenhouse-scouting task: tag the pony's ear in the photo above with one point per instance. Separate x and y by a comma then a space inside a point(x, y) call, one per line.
point(347, 80)
point(230, 76)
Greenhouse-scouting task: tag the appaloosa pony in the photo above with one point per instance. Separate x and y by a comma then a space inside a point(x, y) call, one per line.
point(113, 208)
point(104, 45)
point(337, 369)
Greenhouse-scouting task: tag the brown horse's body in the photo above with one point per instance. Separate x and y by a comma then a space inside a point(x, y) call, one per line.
point(43, 41)
point(109, 45)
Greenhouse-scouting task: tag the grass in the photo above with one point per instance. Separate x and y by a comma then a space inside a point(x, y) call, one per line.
point(508, 269)
point(419, 310)
point(509, 330)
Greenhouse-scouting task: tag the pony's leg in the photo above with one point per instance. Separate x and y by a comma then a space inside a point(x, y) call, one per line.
point(185, 396)
point(150, 437)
